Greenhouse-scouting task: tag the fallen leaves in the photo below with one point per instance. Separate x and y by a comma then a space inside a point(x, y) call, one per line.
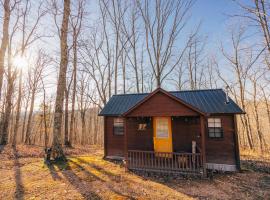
point(91, 177)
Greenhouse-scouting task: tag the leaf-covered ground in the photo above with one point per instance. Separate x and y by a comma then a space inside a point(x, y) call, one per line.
point(23, 175)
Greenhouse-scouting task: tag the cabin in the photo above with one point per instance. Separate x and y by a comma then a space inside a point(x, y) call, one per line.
point(179, 132)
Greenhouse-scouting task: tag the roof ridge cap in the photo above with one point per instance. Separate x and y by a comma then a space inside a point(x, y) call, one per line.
point(130, 94)
point(197, 90)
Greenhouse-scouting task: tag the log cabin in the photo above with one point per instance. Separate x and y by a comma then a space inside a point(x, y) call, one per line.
point(178, 132)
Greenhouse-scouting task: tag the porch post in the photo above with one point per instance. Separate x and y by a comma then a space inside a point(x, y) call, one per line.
point(125, 142)
point(202, 122)
point(105, 136)
point(237, 154)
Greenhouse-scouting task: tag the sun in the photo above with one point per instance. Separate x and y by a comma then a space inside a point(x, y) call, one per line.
point(20, 62)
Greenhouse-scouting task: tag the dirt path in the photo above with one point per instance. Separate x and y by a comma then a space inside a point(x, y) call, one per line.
point(91, 177)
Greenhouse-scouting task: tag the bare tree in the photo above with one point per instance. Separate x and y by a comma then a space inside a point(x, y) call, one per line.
point(83, 104)
point(241, 68)
point(258, 13)
point(35, 77)
point(61, 85)
point(266, 98)
point(130, 28)
point(45, 115)
point(26, 100)
point(115, 10)
point(11, 77)
point(194, 58)
point(29, 35)
point(254, 78)
point(163, 21)
point(4, 41)
point(76, 25)
point(92, 54)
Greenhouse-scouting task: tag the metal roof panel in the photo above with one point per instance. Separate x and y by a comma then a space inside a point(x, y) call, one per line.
point(211, 101)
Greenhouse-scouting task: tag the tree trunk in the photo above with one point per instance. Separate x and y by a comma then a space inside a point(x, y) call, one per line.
point(72, 116)
point(58, 153)
point(83, 141)
point(4, 42)
point(18, 110)
point(24, 119)
point(29, 122)
point(66, 120)
point(8, 107)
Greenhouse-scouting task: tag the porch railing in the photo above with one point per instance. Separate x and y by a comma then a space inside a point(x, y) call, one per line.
point(165, 162)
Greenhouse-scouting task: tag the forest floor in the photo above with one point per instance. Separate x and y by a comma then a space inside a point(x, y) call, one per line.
point(23, 175)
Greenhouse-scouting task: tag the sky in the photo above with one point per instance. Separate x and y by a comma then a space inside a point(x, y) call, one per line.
point(213, 15)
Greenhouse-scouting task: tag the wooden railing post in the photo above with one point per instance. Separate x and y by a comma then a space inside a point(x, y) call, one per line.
point(165, 162)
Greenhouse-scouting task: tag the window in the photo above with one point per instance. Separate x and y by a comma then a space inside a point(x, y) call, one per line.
point(142, 127)
point(162, 126)
point(118, 126)
point(143, 123)
point(214, 128)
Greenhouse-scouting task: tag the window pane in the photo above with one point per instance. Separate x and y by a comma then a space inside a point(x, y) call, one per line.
point(118, 130)
point(118, 120)
point(215, 132)
point(211, 120)
point(218, 130)
point(214, 122)
point(162, 127)
point(212, 130)
point(217, 120)
point(211, 124)
point(118, 126)
point(218, 124)
point(218, 134)
point(211, 134)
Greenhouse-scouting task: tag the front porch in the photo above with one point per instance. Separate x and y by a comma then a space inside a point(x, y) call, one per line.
point(180, 163)
point(187, 155)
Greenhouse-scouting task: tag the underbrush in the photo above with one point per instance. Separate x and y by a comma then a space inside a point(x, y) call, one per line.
point(255, 161)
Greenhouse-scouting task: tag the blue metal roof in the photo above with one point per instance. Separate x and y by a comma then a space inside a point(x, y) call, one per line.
point(210, 101)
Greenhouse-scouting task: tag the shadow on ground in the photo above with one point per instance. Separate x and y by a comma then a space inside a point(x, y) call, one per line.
point(64, 168)
point(2, 148)
point(81, 184)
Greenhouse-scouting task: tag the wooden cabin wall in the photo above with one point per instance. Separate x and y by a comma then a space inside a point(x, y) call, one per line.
point(139, 140)
point(222, 150)
point(113, 144)
point(162, 105)
point(184, 131)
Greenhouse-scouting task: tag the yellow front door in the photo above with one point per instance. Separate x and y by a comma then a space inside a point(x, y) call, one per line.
point(162, 134)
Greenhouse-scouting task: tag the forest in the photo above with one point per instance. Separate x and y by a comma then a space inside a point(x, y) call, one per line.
point(123, 49)
point(61, 61)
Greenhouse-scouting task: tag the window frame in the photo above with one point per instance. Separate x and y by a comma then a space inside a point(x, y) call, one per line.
point(118, 133)
point(215, 127)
